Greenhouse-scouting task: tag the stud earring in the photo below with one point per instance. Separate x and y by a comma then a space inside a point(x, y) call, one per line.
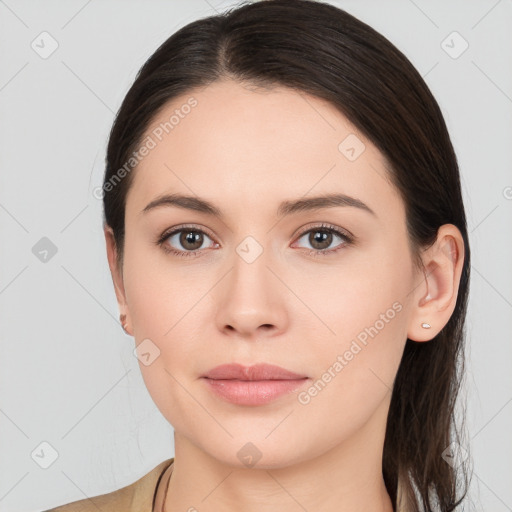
point(425, 325)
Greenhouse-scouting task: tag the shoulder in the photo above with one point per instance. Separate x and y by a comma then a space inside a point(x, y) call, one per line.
point(136, 497)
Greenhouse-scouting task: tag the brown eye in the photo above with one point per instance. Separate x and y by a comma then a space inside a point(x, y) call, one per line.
point(184, 241)
point(191, 240)
point(320, 239)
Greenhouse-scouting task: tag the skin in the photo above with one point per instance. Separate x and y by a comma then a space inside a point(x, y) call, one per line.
point(246, 150)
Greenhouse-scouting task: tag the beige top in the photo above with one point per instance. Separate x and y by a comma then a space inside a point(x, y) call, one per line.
point(136, 497)
point(144, 495)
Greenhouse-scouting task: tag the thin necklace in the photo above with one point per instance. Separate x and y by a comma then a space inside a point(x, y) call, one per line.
point(165, 492)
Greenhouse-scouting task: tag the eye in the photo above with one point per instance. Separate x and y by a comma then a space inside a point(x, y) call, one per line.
point(191, 239)
point(321, 237)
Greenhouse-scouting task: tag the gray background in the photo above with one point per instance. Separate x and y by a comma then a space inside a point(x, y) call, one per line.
point(68, 376)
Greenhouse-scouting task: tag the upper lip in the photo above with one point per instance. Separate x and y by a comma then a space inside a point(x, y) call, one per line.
point(260, 371)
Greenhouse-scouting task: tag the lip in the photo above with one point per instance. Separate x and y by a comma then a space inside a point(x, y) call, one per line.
point(252, 385)
point(261, 371)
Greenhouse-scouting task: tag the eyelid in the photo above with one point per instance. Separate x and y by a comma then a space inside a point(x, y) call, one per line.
point(322, 225)
point(182, 227)
point(162, 239)
point(348, 237)
point(327, 227)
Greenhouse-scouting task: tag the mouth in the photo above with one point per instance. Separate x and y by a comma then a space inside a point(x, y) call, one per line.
point(261, 371)
point(253, 392)
point(253, 385)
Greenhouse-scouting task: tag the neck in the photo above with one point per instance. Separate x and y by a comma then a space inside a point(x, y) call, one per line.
point(346, 478)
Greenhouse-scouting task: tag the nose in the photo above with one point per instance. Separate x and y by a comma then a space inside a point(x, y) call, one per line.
point(251, 299)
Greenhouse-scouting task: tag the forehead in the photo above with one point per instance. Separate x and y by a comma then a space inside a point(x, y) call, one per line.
point(235, 144)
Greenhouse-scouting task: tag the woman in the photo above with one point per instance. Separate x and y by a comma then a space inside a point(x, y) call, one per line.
point(288, 246)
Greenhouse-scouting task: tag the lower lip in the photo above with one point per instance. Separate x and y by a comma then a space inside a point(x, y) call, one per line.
point(255, 392)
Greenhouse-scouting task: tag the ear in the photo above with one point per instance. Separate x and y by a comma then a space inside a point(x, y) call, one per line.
point(117, 276)
point(435, 298)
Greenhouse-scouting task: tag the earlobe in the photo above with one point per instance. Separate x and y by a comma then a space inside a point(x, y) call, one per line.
point(124, 325)
point(436, 298)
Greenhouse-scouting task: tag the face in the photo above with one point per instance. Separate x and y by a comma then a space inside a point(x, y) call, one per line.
point(323, 292)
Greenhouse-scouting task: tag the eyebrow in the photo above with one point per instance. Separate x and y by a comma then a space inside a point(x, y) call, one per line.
point(285, 208)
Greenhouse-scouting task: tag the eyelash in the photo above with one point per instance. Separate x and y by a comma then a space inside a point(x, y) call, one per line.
point(348, 240)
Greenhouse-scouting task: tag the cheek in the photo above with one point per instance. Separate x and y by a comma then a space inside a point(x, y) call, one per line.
point(168, 322)
point(348, 300)
point(159, 290)
point(353, 377)
point(171, 317)
point(364, 315)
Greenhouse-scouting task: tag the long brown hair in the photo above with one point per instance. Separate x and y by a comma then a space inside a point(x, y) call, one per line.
point(322, 50)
